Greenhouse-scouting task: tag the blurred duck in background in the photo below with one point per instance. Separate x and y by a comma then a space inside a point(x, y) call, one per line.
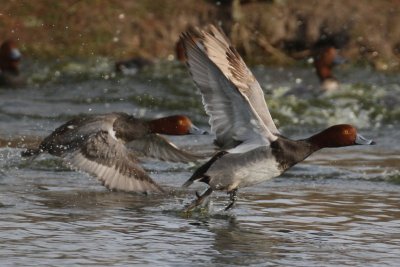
point(180, 51)
point(132, 66)
point(325, 57)
point(10, 58)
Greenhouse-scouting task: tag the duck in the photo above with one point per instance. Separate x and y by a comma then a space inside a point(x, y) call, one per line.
point(132, 66)
point(325, 58)
point(10, 58)
point(108, 146)
point(252, 148)
point(180, 51)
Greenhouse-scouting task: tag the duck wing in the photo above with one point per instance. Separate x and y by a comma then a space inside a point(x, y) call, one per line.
point(156, 146)
point(224, 55)
point(75, 132)
point(112, 163)
point(231, 95)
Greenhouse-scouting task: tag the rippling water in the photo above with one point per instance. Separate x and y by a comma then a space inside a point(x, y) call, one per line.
point(338, 208)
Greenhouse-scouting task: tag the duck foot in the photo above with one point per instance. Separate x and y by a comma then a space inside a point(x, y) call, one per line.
point(233, 198)
point(200, 199)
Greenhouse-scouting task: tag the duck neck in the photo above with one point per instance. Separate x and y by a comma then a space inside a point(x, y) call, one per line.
point(324, 73)
point(9, 67)
point(321, 140)
point(289, 152)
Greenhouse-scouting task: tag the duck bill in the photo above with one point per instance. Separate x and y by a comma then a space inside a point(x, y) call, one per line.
point(360, 140)
point(338, 60)
point(196, 130)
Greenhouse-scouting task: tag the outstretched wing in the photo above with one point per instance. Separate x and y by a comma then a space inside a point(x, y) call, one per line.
point(112, 163)
point(227, 88)
point(156, 146)
point(224, 55)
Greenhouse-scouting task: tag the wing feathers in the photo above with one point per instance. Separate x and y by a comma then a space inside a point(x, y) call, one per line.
point(220, 51)
point(112, 164)
point(156, 146)
point(229, 108)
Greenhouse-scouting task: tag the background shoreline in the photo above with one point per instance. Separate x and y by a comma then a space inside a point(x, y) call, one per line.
point(265, 32)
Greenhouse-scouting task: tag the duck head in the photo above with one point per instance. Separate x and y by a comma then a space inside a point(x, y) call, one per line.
point(175, 125)
point(338, 136)
point(9, 57)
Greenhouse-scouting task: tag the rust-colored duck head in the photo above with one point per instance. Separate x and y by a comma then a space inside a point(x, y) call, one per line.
point(338, 136)
point(174, 125)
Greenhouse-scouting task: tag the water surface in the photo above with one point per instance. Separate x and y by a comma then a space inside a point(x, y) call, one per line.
point(338, 208)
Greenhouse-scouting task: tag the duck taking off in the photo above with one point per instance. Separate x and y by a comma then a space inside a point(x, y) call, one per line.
point(106, 147)
point(253, 150)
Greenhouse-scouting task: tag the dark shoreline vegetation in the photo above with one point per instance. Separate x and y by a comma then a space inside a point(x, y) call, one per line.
point(278, 32)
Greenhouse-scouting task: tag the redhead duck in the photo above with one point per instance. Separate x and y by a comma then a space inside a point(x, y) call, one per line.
point(180, 51)
point(10, 58)
point(325, 57)
point(132, 66)
point(105, 145)
point(253, 150)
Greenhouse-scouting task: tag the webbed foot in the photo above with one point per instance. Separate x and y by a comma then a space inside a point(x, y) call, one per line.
point(199, 200)
point(232, 198)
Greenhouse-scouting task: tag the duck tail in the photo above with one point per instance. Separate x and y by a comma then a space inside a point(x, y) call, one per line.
point(188, 183)
point(199, 174)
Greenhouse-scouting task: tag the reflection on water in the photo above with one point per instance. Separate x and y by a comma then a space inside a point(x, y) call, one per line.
point(338, 208)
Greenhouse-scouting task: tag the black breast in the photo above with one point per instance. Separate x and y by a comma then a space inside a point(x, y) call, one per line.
point(289, 152)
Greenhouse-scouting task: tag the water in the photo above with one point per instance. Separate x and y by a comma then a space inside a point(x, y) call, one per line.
point(338, 208)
